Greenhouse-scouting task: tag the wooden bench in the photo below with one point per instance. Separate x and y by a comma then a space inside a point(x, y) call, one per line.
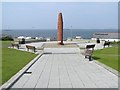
point(15, 45)
point(88, 51)
point(106, 44)
point(30, 47)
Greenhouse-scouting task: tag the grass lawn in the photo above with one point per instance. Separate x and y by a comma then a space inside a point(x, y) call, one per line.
point(0, 63)
point(108, 56)
point(13, 60)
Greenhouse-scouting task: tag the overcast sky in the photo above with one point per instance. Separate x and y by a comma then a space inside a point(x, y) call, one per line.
point(79, 15)
point(59, 0)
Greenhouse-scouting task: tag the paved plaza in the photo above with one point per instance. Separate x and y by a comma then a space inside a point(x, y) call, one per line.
point(65, 67)
point(53, 44)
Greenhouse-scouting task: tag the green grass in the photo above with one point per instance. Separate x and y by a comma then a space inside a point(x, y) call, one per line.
point(13, 61)
point(108, 56)
point(0, 63)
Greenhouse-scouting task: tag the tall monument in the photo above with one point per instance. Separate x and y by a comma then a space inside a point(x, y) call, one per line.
point(60, 29)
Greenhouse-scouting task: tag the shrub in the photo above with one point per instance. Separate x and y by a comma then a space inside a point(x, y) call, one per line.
point(7, 38)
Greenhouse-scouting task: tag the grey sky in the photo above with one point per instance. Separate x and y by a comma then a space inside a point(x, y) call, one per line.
point(88, 15)
point(59, 0)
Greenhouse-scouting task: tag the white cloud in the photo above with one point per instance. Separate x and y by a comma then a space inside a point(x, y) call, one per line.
point(60, 0)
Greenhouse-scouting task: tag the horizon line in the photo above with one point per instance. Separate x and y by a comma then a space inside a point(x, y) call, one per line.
point(56, 29)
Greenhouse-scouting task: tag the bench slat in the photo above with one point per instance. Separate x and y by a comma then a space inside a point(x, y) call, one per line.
point(30, 47)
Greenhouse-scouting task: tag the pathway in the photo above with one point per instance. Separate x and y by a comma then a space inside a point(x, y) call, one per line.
point(66, 68)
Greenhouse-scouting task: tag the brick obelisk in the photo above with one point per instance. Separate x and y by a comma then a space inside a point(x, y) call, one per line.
point(60, 29)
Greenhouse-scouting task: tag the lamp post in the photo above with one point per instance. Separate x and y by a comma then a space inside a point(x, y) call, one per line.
point(71, 33)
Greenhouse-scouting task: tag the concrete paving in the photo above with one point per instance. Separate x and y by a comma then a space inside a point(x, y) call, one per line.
point(53, 44)
point(66, 68)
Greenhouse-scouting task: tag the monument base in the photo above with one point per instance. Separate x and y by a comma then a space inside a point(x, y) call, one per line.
point(60, 43)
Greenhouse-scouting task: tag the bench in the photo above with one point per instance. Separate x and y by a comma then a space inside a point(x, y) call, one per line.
point(88, 51)
point(30, 47)
point(15, 45)
point(106, 44)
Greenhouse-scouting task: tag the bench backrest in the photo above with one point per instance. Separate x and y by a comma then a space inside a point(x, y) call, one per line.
point(90, 46)
point(30, 47)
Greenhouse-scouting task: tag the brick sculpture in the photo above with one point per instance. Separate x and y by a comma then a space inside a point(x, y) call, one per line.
point(60, 29)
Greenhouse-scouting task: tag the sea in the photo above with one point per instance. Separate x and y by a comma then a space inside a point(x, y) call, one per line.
point(52, 33)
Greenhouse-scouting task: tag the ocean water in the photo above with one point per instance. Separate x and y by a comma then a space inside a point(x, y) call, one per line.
point(84, 33)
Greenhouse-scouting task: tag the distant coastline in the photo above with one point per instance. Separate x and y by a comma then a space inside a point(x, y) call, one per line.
point(52, 33)
point(7, 30)
point(63, 29)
